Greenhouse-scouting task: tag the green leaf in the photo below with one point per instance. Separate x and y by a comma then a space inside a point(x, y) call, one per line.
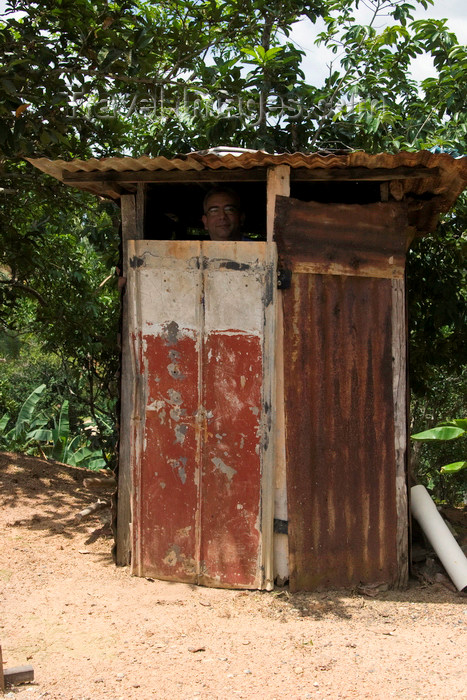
point(97, 463)
point(453, 467)
point(440, 433)
point(63, 422)
point(27, 410)
point(39, 435)
point(460, 423)
point(4, 422)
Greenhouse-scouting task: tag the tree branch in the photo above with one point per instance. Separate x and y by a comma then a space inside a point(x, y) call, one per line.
point(27, 289)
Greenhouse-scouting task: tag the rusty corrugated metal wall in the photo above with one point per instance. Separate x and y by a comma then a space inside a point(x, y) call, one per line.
point(338, 386)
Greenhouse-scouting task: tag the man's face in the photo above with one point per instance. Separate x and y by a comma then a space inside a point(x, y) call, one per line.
point(222, 218)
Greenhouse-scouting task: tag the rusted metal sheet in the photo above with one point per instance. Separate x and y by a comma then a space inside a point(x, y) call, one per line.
point(323, 240)
point(198, 314)
point(339, 405)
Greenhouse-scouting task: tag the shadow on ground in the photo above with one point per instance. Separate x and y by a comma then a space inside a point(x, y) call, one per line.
point(51, 493)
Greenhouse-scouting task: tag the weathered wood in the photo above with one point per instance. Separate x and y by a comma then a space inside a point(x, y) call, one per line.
point(130, 231)
point(18, 674)
point(2, 682)
point(202, 441)
point(249, 175)
point(269, 403)
point(388, 269)
point(281, 542)
point(140, 208)
point(103, 188)
point(362, 174)
point(172, 176)
point(90, 510)
point(163, 324)
point(100, 483)
point(278, 184)
point(399, 355)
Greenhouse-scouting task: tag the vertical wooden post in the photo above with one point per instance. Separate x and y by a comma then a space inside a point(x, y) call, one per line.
point(278, 183)
point(269, 399)
point(140, 209)
point(2, 681)
point(399, 369)
point(132, 228)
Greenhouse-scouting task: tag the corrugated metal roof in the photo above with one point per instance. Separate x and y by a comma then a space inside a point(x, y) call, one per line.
point(438, 175)
point(230, 159)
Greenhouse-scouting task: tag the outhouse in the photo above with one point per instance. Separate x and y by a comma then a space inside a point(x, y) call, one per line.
point(263, 428)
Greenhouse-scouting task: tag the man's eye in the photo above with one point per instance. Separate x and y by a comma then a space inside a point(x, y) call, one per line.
point(228, 209)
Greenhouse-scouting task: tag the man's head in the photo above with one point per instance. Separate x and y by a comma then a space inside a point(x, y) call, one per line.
point(223, 215)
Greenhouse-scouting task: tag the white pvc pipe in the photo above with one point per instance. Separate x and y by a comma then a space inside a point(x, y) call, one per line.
point(439, 535)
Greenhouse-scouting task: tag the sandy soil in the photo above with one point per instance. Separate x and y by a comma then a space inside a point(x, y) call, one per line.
point(92, 631)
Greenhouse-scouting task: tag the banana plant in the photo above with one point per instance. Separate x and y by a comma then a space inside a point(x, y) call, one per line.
point(446, 430)
point(30, 431)
point(27, 424)
point(64, 448)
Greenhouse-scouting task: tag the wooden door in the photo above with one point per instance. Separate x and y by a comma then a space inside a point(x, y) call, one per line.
point(200, 317)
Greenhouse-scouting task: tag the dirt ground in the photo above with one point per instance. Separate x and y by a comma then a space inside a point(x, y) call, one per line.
point(92, 631)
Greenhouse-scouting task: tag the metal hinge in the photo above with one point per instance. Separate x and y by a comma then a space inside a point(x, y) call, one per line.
point(284, 278)
point(281, 526)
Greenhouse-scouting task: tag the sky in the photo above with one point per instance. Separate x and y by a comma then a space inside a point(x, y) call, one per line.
point(317, 60)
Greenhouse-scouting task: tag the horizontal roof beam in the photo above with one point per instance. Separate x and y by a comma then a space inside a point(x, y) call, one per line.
point(85, 178)
point(359, 173)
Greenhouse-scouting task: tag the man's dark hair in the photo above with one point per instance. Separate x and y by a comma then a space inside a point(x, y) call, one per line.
point(222, 190)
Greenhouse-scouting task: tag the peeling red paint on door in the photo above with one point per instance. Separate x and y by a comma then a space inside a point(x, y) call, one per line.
point(198, 452)
point(169, 469)
point(232, 459)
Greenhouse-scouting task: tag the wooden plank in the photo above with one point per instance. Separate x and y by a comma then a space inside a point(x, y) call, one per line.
point(234, 528)
point(269, 404)
point(165, 326)
point(362, 174)
point(129, 225)
point(18, 674)
point(387, 269)
point(384, 191)
point(200, 446)
point(102, 187)
point(127, 398)
point(123, 177)
point(140, 208)
point(281, 541)
point(400, 388)
point(110, 177)
point(278, 184)
point(269, 400)
point(2, 682)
